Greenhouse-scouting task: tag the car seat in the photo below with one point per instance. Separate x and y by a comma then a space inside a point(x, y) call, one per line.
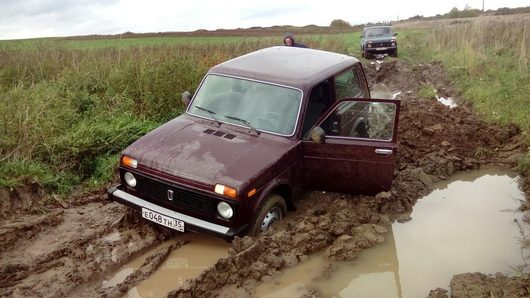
point(317, 105)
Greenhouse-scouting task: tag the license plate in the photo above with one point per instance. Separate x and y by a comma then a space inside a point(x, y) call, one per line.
point(161, 219)
point(381, 49)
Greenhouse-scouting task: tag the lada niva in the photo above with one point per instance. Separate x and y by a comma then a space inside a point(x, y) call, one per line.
point(259, 129)
point(378, 40)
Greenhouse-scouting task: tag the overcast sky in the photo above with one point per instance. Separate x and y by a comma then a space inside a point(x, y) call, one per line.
point(43, 18)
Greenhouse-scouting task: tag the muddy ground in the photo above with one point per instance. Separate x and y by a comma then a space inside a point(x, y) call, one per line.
point(52, 248)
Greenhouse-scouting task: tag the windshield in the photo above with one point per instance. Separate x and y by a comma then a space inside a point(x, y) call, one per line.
point(256, 105)
point(378, 31)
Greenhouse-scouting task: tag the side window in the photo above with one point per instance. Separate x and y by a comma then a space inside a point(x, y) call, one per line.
point(361, 119)
point(318, 103)
point(347, 84)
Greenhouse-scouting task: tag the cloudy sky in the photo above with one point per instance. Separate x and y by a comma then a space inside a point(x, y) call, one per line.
point(43, 18)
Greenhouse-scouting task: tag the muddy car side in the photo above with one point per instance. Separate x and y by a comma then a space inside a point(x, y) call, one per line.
point(258, 130)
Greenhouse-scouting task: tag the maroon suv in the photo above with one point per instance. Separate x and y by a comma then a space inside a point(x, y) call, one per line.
point(259, 129)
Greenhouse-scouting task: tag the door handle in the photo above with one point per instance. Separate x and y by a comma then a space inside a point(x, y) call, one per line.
point(383, 151)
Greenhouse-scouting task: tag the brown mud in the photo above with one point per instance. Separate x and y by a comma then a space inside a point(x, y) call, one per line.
point(53, 248)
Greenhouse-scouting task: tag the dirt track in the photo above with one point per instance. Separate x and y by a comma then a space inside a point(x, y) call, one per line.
point(49, 248)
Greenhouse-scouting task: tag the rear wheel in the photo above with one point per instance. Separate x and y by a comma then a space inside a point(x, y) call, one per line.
point(270, 213)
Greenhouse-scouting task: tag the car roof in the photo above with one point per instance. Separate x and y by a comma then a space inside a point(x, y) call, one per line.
point(290, 66)
point(381, 26)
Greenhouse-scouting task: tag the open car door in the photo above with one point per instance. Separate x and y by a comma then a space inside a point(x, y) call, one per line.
point(352, 148)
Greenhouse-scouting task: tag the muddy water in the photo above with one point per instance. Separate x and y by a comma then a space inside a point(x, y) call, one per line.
point(380, 91)
point(183, 263)
point(465, 225)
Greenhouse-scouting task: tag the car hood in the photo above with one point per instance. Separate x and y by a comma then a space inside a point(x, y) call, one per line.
point(197, 149)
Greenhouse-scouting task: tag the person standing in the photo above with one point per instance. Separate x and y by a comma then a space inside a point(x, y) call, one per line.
point(288, 40)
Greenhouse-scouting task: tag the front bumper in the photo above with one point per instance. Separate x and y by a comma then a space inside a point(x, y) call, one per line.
point(192, 223)
point(389, 49)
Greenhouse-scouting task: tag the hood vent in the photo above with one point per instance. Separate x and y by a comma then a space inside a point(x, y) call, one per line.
point(219, 133)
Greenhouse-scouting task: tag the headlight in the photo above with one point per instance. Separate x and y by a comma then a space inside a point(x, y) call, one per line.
point(129, 179)
point(393, 44)
point(225, 210)
point(369, 45)
point(129, 161)
point(225, 190)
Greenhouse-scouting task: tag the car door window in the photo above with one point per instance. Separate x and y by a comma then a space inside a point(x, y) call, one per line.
point(318, 102)
point(361, 119)
point(347, 84)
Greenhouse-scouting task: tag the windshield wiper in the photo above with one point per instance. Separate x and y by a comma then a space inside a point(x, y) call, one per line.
point(212, 113)
point(244, 122)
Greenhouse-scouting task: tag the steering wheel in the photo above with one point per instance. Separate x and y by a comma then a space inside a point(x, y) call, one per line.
point(360, 128)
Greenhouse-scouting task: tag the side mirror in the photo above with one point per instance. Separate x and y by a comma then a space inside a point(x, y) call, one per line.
point(361, 36)
point(317, 135)
point(395, 34)
point(186, 98)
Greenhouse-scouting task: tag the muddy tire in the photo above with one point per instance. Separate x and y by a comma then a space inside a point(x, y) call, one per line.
point(366, 54)
point(394, 53)
point(271, 212)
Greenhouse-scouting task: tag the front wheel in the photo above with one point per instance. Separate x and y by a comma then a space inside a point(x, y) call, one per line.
point(271, 212)
point(367, 54)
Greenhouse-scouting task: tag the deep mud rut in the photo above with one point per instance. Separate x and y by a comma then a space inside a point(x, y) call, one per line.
point(50, 248)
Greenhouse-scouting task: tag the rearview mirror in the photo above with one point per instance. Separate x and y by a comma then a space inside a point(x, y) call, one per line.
point(317, 135)
point(186, 98)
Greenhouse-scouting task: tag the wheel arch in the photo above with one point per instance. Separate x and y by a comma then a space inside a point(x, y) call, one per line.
point(281, 188)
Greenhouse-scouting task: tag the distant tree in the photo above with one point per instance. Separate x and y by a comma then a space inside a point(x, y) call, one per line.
point(338, 23)
point(453, 13)
point(467, 12)
point(504, 11)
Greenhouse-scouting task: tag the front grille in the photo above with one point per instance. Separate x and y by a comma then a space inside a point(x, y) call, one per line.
point(381, 44)
point(183, 199)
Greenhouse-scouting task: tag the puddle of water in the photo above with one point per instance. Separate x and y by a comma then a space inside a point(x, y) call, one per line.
point(465, 225)
point(183, 263)
point(381, 91)
point(293, 281)
point(374, 273)
point(449, 102)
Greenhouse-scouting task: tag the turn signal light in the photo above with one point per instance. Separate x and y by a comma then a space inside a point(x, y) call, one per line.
point(226, 191)
point(129, 161)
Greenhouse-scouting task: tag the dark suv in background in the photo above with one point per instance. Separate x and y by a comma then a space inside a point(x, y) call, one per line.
point(378, 40)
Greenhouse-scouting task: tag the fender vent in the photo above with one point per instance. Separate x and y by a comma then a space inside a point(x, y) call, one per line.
point(219, 133)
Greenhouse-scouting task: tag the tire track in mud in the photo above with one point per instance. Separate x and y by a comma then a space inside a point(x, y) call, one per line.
point(78, 247)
